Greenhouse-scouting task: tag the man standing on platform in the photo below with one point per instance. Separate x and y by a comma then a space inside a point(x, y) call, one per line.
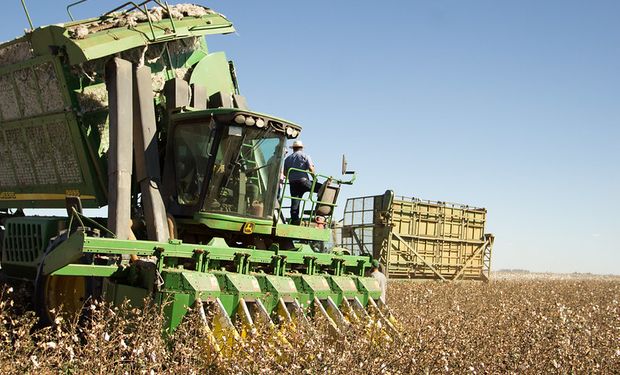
point(299, 180)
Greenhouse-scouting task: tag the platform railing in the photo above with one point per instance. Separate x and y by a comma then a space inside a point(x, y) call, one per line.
point(307, 206)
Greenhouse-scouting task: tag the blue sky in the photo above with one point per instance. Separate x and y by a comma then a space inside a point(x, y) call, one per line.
point(512, 105)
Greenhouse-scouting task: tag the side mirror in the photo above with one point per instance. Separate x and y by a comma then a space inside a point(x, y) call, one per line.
point(344, 166)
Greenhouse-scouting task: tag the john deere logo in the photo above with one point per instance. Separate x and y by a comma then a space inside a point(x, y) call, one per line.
point(248, 228)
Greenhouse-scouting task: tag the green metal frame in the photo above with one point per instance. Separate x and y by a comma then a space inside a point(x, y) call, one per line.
point(311, 201)
point(325, 275)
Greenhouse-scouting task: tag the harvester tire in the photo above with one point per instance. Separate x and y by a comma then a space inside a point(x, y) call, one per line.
point(64, 295)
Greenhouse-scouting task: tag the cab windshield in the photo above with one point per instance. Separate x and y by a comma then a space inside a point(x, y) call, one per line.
point(246, 172)
point(192, 143)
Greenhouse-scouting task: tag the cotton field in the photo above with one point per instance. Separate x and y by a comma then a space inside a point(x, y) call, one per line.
point(513, 324)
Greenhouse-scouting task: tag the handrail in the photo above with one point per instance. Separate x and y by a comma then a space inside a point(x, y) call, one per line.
point(314, 202)
point(135, 6)
point(143, 7)
point(145, 11)
point(72, 5)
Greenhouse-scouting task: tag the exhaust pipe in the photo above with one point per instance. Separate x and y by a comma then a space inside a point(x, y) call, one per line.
point(118, 74)
point(147, 156)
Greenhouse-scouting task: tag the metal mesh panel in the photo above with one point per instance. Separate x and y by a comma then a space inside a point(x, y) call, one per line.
point(38, 91)
point(38, 155)
point(8, 102)
point(39, 145)
point(19, 154)
point(29, 93)
point(15, 53)
point(63, 152)
point(7, 175)
point(49, 85)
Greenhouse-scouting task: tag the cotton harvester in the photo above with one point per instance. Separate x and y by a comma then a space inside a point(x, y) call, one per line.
point(130, 110)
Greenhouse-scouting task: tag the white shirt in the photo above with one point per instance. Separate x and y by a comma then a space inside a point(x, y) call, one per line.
point(382, 283)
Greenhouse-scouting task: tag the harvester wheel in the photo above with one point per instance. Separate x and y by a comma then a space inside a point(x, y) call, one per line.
point(64, 295)
point(60, 294)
